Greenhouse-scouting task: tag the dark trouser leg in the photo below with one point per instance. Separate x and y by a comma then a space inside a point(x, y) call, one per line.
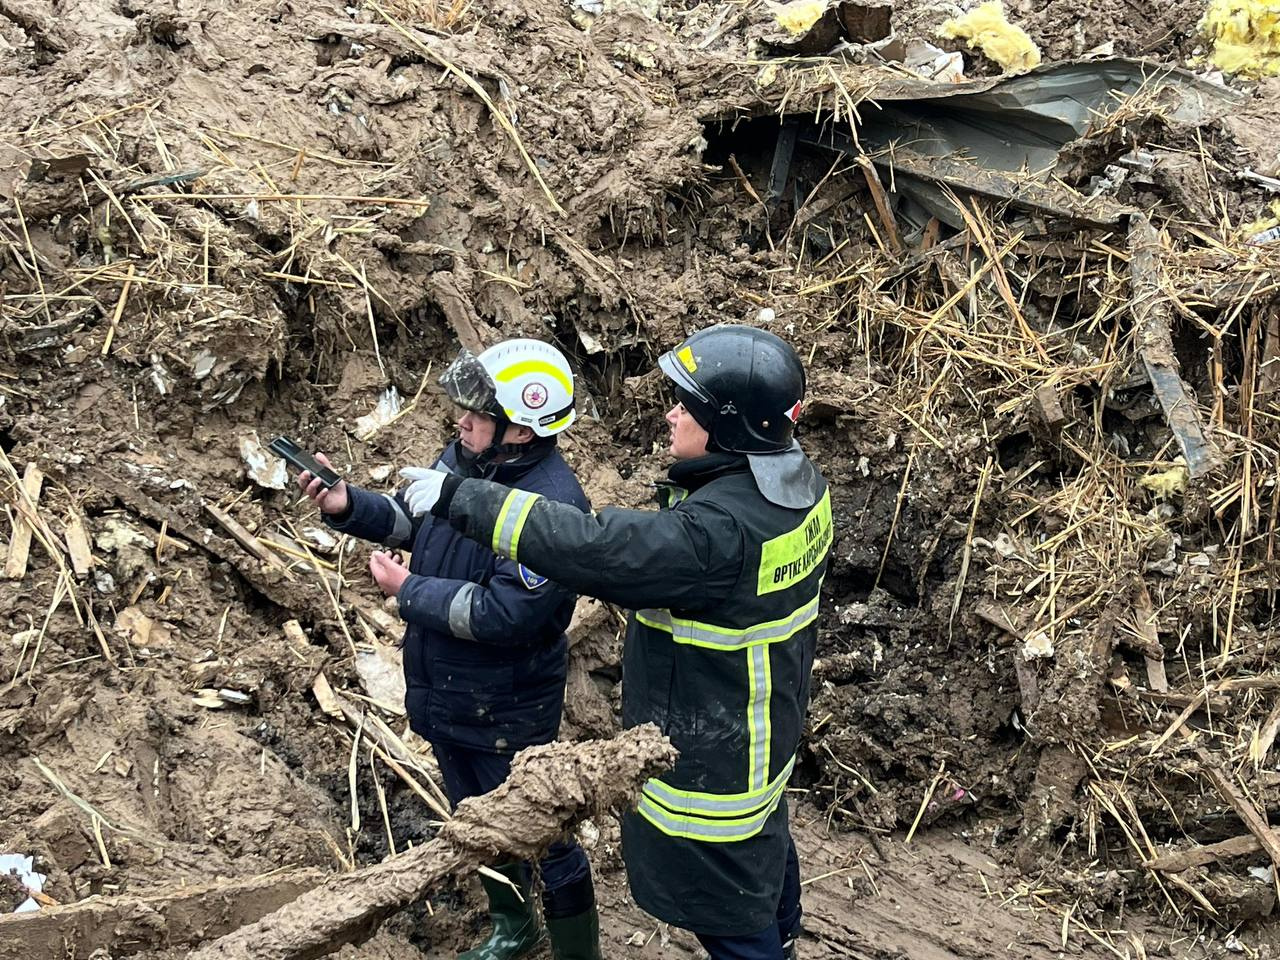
point(516, 928)
point(764, 945)
point(456, 769)
point(789, 909)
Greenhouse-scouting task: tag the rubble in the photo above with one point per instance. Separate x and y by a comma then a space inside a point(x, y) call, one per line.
point(549, 788)
point(1041, 322)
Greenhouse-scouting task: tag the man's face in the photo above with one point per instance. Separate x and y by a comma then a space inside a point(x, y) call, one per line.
point(475, 430)
point(688, 439)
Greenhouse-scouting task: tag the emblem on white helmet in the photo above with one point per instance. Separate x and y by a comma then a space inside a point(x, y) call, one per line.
point(527, 381)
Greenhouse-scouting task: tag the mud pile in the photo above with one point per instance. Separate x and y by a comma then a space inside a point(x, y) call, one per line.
point(1044, 394)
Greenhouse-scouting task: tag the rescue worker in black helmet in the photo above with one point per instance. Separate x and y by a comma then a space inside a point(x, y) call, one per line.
point(485, 654)
point(724, 584)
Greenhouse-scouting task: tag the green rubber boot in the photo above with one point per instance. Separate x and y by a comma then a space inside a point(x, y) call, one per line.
point(516, 930)
point(576, 938)
point(572, 921)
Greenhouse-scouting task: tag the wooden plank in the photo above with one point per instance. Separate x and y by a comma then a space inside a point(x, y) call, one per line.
point(1255, 822)
point(1144, 618)
point(246, 539)
point(132, 924)
point(1154, 317)
point(15, 567)
point(1265, 737)
point(1202, 856)
point(881, 200)
point(77, 541)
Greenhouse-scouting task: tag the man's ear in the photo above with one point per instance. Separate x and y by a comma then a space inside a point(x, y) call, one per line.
point(520, 434)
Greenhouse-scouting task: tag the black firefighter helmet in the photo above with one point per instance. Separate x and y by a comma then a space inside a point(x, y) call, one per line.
point(745, 387)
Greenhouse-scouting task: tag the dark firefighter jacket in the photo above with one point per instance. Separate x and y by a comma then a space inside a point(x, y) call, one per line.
point(724, 586)
point(485, 654)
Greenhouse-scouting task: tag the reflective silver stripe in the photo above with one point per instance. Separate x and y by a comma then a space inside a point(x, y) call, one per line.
point(402, 526)
point(510, 520)
point(701, 828)
point(759, 715)
point(725, 805)
point(728, 638)
point(460, 612)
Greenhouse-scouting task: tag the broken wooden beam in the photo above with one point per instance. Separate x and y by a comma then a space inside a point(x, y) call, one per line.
point(1154, 319)
point(1046, 411)
point(1254, 821)
point(300, 597)
point(131, 924)
point(240, 535)
point(550, 787)
point(1201, 856)
point(25, 500)
point(881, 200)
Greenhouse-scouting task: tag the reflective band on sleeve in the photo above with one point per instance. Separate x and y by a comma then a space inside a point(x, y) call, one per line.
point(510, 522)
point(700, 634)
point(460, 612)
point(402, 524)
point(789, 558)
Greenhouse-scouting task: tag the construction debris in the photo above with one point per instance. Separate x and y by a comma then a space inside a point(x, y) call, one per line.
point(1041, 319)
point(134, 924)
point(986, 28)
point(24, 508)
point(1245, 35)
point(549, 789)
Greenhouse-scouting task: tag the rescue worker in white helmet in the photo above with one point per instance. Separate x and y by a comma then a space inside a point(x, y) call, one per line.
point(723, 583)
point(485, 654)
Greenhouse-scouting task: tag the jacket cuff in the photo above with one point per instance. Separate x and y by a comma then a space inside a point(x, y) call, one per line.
point(447, 491)
point(333, 519)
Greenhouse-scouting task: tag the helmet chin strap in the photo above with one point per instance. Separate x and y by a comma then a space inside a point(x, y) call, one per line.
point(490, 455)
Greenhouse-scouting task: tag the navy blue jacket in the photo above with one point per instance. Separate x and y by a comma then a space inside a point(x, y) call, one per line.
point(485, 653)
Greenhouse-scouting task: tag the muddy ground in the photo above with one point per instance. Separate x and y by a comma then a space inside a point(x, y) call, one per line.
point(224, 222)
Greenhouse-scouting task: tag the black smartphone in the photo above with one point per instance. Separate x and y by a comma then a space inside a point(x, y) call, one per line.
point(304, 461)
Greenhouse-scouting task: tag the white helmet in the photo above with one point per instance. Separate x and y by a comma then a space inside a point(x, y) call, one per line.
point(527, 382)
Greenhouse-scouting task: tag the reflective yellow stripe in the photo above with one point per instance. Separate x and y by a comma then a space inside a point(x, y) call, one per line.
point(717, 804)
point(787, 559)
point(698, 634)
point(520, 521)
point(510, 522)
point(758, 716)
point(707, 829)
point(559, 423)
point(535, 366)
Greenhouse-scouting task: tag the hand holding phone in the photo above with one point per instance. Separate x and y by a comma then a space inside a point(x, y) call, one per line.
point(318, 479)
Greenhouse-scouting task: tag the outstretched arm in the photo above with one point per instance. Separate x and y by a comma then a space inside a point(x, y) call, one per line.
point(688, 558)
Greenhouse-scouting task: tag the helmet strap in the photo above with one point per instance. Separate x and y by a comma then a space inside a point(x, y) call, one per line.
point(490, 455)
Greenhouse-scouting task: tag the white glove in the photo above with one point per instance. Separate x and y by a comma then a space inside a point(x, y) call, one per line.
point(424, 488)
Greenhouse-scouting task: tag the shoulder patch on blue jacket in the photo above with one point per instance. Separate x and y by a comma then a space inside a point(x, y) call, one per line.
point(530, 579)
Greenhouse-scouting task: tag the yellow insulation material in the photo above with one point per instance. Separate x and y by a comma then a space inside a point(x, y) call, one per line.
point(988, 29)
point(1245, 35)
point(799, 15)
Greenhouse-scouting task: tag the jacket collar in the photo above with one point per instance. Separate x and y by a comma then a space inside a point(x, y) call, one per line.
point(698, 472)
point(505, 473)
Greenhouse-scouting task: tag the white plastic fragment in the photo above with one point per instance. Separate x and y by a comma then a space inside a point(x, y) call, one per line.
point(387, 409)
point(264, 468)
point(1038, 646)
